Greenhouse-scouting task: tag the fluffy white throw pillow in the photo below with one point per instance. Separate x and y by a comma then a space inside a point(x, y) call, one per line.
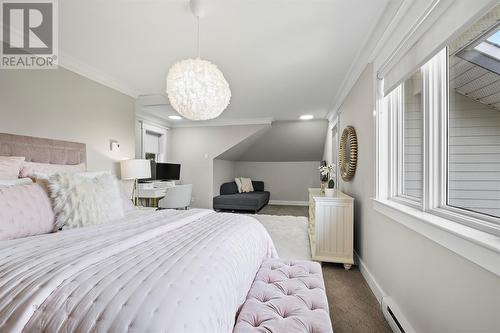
point(238, 183)
point(246, 185)
point(80, 201)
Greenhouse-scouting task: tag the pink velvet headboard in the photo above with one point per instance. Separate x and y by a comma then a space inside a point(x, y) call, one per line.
point(42, 150)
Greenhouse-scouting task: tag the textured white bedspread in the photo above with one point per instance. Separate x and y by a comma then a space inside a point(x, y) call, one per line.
point(166, 271)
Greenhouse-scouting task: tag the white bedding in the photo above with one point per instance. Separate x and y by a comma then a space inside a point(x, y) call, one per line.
point(167, 271)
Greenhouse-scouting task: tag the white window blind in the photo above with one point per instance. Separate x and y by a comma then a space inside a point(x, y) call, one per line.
point(152, 143)
point(430, 34)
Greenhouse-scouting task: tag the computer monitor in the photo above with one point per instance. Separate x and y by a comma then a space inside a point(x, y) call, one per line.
point(167, 171)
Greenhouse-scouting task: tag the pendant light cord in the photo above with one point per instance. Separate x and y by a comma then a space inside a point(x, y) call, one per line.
point(198, 35)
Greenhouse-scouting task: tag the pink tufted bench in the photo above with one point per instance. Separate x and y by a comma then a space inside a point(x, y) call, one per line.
point(286, 296)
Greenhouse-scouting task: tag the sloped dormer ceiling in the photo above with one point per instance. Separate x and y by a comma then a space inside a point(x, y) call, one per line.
point(284, 141)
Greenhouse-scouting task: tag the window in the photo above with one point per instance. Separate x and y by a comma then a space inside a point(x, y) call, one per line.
point(484, 51)
point(153, 142)
point(473, 169)
point(412, 134)
point(459, 106)
point(490, 46)
point(152, 145)
point(439, 133)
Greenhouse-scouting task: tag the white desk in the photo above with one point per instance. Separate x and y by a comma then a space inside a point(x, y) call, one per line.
point(149, 197)
point(151, 193)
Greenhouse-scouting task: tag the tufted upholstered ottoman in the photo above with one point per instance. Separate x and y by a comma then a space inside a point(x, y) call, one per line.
point(286, 297)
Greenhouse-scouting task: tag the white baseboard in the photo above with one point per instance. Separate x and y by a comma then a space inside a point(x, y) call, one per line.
point(382, 297)
point(372, 283)
point(288, 203)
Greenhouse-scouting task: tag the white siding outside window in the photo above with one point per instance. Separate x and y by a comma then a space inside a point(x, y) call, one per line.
point(412, 137)
point(474, 156)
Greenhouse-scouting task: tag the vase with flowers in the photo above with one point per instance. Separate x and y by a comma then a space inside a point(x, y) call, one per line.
point(327, 174)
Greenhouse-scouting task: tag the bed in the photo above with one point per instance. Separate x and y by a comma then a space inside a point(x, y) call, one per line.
point(152, 271)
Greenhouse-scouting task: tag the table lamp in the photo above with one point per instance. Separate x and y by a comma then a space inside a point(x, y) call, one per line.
point(135, 169)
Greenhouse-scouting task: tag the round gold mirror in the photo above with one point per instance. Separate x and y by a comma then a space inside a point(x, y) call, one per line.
point(348, 153)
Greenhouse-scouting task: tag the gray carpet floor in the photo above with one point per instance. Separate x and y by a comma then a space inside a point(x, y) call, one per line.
point(353, 307)
point(284, 210)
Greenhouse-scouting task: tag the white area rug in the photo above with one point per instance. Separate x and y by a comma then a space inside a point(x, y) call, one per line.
point(289, 234)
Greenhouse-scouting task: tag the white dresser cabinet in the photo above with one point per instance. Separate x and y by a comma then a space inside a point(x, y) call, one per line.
point(331, 227)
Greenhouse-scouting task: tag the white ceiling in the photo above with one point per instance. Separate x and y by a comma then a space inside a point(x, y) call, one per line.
point(467, 78)
point(282, 58)
point(475, 82)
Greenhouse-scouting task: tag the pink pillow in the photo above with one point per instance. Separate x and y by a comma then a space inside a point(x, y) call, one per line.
point(10, 166)
point(25, 210)
point(31, 169)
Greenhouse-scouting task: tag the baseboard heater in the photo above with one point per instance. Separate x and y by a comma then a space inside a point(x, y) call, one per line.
point(394, 317)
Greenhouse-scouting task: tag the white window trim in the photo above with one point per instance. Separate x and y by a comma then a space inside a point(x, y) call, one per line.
point(398, 153)
point(471, 235)
point(162, 132)
point(479, 247)
point(335, 125)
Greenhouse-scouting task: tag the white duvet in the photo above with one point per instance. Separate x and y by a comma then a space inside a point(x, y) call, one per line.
point(166, 271)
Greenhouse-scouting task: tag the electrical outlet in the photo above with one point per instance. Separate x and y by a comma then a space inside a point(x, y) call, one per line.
point(115, 146)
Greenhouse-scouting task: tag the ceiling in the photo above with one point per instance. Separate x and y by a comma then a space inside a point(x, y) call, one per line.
point(282, 58)
point(475, 82)
point(481, 83)
point(283, 141)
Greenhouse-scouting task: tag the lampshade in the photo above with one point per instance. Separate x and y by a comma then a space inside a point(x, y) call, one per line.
point(135, 169)
point(197, 89)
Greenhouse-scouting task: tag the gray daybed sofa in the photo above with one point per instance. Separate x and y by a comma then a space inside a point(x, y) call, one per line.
point(231, 199)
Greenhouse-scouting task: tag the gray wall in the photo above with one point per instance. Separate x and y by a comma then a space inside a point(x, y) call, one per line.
point(437, 290)
point(197, 147)
point(59, 104)
point(287, 181)
point(224, 171)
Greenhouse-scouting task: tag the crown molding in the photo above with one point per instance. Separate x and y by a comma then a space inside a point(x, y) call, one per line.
point(152, 119)
point(370, 47)
point(72, 64)
point(224, 122)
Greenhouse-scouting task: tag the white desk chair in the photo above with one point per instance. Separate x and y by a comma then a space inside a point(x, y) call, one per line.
point(177, 197)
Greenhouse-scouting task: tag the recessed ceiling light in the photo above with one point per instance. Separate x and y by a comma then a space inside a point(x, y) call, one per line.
point(306, 117)
point(175, 117)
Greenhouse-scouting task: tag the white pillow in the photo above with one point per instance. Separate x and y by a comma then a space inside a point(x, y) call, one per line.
point(237, 180)
point(34, 169)
point(80, 201)
point(13, 182)
point(246, 185)
point(126, 200)
point(93, 174)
